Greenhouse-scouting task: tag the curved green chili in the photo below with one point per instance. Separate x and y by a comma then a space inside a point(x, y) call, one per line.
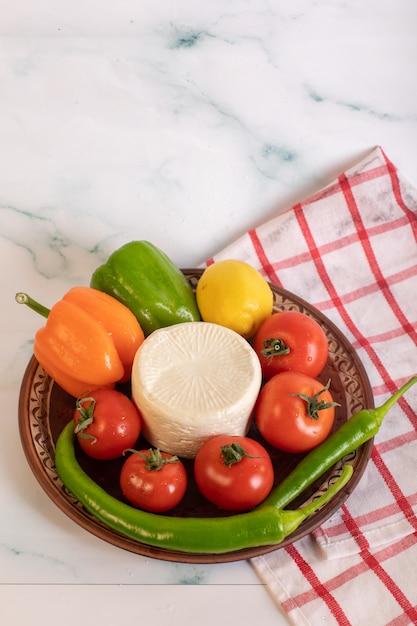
point(264, 526)
point(361, 427)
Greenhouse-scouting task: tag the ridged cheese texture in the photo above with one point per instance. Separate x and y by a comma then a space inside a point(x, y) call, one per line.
point(192, 381)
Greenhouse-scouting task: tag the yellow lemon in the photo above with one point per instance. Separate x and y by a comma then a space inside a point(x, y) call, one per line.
point(234, 294)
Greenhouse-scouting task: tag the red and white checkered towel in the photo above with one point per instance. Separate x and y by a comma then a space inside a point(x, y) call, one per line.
point(351, 251)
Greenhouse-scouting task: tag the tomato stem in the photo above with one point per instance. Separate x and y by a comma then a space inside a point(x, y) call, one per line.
point(314, 405)
point(274, 347)
point(153, 459)
point(86, 417)
point(234, 453)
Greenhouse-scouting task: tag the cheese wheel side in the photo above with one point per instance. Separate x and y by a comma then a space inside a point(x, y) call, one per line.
point(192, 381)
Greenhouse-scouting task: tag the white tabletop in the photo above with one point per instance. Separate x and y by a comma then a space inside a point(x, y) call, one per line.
point(185, 124)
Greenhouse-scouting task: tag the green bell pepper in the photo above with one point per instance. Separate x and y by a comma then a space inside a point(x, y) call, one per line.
point(144, 279)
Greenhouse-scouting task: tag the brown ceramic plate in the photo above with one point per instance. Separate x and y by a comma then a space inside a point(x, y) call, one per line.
point(44, 408)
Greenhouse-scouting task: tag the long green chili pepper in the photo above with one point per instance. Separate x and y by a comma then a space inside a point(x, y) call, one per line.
point(264, 526)
point(361, 427)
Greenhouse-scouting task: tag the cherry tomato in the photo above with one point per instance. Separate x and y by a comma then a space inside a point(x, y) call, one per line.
point(106, 423)
point(294, 412)
point(152, 480)
point(233, 472)
point(291, 341)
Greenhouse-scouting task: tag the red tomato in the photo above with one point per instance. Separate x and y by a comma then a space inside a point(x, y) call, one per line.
point(291, 341)
point(106, 423)
point(238, 486)
point(289, 422)
point(152, 480)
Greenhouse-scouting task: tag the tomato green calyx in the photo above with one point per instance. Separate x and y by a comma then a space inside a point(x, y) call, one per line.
point(154, 459)
point(86, 417)
point(24, 298)
point(314, 404)
point(274, 347)
point(234, 453)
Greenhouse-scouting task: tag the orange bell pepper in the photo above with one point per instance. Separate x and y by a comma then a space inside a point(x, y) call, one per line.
point(89, 340)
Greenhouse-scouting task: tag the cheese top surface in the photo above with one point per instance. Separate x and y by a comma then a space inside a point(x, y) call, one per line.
point(192, 381)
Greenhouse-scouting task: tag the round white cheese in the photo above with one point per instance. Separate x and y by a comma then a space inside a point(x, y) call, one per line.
point(194, 380)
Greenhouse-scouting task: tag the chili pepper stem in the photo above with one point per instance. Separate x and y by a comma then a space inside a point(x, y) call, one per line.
point(24, 298)
point(381, 411)
point(292, 519)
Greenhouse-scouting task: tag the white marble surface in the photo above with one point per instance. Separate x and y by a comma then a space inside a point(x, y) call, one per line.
point(183, 123)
